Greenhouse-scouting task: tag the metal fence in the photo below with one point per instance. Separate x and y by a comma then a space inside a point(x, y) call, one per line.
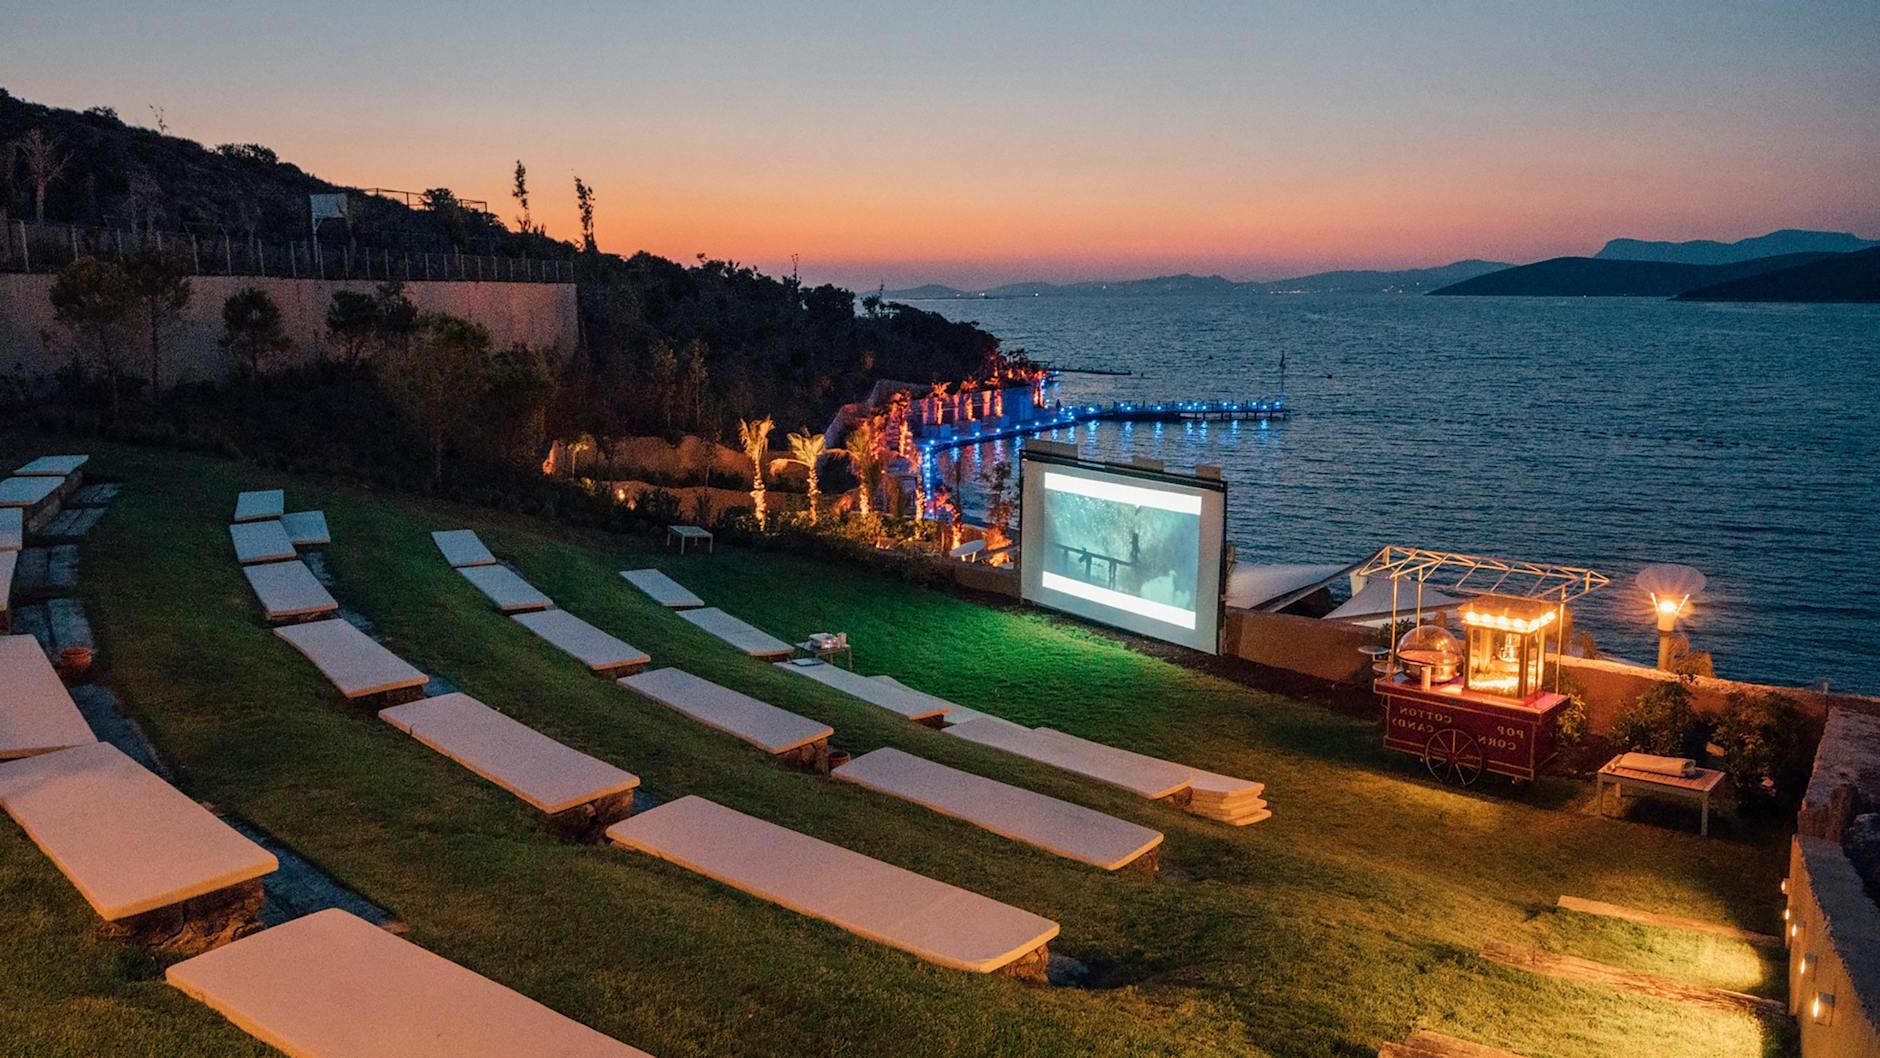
point(33, 247)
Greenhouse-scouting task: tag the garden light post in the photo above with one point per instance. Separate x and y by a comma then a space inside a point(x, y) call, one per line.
point(1670, 588)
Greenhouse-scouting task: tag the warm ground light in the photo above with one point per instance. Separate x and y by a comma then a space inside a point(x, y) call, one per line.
point(1348, 919)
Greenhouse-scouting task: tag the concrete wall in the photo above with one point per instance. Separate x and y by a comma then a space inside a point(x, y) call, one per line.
point(1846, 776)
point(1834, 953)
point(540, 315)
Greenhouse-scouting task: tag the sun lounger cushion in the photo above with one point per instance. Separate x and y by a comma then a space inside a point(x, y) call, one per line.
point(288, 589)
point(27, 492)
point(12, 529)
point(36, 712)
point(593, 647)
point(1147, 777)
point(462, 548)
point(931, 919)
point(263, 505)
point(751, 640)
point(307, 528)
point(260, 542)
point(355, 663)
point(761, 724)
point(1066, 829)
point(332, 985)
point(505, 588)
point(890, 696)
point(664, 590)
point(127, 840)
point(52, 466)
point(548, 775)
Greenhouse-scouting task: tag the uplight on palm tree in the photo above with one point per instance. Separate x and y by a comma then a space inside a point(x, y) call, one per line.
point(754, 437)
point(807, 448)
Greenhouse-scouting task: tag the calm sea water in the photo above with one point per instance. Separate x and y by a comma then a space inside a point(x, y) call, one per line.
point(1614, 433)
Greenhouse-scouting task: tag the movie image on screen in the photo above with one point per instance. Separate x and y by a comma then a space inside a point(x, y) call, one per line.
point(1137, 549)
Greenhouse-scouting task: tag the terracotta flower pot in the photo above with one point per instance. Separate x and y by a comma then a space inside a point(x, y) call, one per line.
point(75, 661)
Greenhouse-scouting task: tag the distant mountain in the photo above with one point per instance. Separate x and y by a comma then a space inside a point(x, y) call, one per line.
point(1405, 281)
point(927, 292)
point(1710, 252)
point(1587, 277)
point(1842, 277)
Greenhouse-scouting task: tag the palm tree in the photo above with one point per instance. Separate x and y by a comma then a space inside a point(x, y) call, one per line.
point(865, 452)
point(808, 448)
point(939, 394)
point(754, 437)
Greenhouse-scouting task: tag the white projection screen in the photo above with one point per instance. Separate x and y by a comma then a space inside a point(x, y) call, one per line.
point(1133, 548)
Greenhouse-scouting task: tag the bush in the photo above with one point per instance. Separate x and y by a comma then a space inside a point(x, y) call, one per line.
point(1763, 745)
point(1570, 721)
point(1659, 721)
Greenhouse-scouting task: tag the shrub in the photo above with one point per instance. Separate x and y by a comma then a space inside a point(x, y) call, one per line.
point(1570, 721)
point(1763, 746)
point(1659, 721)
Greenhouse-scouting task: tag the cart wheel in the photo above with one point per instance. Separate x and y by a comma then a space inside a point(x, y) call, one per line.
point(1453, 757)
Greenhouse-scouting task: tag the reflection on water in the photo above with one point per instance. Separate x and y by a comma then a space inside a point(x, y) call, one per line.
point(1611, 433)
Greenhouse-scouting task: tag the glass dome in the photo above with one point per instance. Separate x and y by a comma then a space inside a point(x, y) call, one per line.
point(1432, 641)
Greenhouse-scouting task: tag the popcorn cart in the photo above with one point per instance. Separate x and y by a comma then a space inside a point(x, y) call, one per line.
point(1481, 703)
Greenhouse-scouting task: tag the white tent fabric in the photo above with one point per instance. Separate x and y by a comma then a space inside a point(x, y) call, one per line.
point(1252, 585)
point(1372, 602)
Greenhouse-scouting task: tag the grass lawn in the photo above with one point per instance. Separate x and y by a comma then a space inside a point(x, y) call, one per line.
point(1345, 921)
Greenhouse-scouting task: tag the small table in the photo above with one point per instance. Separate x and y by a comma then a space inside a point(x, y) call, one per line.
point(691, 533)
point(1697, 787)
point(827, 655)
point(1378, 658)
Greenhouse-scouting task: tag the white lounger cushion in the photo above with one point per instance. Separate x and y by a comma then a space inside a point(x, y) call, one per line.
point(664, 590)
point(52, 466)
point(1145, 776)
point(548, 775)
point(354, 662)
point(505, 588)
point(595, 648)
point(890, 696)
point(288, 589)
point(1203, 784)
point(27, 492)
point(752, 641)
point(264, 505)
point(307, 528)
point(955, 713)
point(462, 548)
point(761, 724)
point(1066, 829)
point(260, 542)
point(12, 529)
point(127, 840)
point(332, 985)
point(36, 711)
point(933, 920)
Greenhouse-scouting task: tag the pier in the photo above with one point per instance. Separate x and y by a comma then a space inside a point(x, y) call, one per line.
point(1041, 420)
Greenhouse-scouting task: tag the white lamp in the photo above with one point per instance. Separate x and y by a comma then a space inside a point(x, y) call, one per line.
point(1670, 587)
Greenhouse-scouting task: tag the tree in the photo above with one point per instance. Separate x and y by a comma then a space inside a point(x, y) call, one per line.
point(352, 325)
point(92, 299)
point(444, 204)
point(441, 378)
point(584, 201)
point(754, 437)
point(159, 287)
point(520, 193)
point(251, 330)
point(865, 449)
point(806, 448)
point(45, 163)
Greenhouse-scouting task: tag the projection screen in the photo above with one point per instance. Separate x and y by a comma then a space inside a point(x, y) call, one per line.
point(1124, 546)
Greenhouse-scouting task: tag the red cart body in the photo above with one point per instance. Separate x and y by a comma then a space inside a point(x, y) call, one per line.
point(1452, 728)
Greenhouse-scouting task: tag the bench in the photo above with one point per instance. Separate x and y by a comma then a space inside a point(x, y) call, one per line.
point(930, 919)
point(1059, 827)
point(12, 529)
point(260, 542)
point(1221, 798)
point(307, 528)
point(288, 591)
point(690, 534)
point(60, 467)
point(600, 652)
point(36, 498)
point(779, 732)
point(149, 860)
point(749, 639)
point(37, 714)
point(1697, 786)
point(920, 708)
point(1145, 778)
point(951, 712)
point(461, 548)
point(332, 985)
point(580, 794)
point(664, 590)
point(264, 505)
point(8, 560)
point(355, 663)
point(506, 589)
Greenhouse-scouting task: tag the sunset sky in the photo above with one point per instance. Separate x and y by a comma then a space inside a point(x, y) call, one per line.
point(975, 144)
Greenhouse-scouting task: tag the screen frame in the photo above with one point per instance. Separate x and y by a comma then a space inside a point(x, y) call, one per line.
point(1210, 575)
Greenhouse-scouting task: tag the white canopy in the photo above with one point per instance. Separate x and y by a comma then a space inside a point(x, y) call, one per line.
point(1257, 586)
point(1371, 604)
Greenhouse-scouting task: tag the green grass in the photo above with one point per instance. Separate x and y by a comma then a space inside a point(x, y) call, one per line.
point(1348, 919)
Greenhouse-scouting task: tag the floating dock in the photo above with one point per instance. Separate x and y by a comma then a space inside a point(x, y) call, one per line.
point(1068, 415)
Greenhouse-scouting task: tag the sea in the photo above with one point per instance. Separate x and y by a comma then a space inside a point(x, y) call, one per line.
point(1611, 433)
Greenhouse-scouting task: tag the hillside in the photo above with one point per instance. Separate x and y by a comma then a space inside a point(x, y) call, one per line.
point(1844, 277)
point(1712, 252)
point(1371, 281)
point(1349, 281)
point(1586, 277)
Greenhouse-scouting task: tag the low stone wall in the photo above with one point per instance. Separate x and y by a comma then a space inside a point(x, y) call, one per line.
point(1834, 953)
point(1846, 777)
point(1325, 650)
point(539, 315)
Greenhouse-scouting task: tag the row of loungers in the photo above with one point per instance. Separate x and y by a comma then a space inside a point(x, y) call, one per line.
point(603, 654)
point(267, 543)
